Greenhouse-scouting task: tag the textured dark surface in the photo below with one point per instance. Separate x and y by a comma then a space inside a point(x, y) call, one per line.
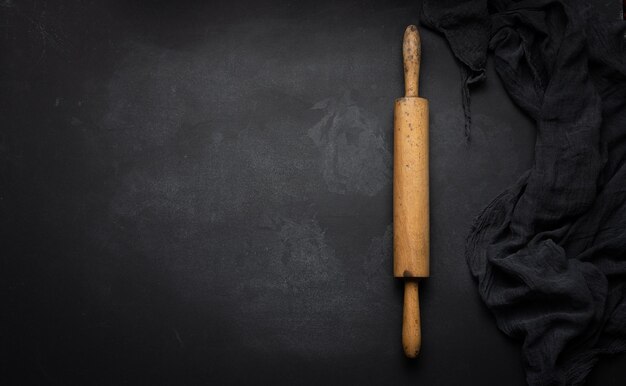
point(202, 193)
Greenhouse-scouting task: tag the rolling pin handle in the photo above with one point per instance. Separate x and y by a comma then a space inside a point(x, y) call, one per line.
point(412, 52)
point(411, 329)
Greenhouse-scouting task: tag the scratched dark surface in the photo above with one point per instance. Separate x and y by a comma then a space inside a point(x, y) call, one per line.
point(201, 194)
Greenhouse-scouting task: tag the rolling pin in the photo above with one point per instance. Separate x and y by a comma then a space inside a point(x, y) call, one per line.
point(410, 192)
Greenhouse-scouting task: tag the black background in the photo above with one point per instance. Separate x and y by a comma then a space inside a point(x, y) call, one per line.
point(200, 193)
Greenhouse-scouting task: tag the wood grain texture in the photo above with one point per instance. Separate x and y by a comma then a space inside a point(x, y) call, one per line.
point(410, 189)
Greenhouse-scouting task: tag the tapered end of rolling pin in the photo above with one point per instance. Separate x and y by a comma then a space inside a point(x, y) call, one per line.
point(412, 52)
point(411, 329)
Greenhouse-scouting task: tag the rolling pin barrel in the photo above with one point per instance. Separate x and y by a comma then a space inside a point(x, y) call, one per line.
point(410, 192)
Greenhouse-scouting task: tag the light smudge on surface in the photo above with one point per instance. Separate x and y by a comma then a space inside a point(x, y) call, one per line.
point(305, 253)
point(354, 156)
point(378, 262)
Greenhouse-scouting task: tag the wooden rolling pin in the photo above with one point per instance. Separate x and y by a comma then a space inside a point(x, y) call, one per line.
point(410, 192)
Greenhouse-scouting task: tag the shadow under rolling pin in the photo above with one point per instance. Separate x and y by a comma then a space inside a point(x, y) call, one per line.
point(410, 192)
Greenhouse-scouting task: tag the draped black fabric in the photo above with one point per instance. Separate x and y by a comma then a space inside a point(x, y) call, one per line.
point(549, 253)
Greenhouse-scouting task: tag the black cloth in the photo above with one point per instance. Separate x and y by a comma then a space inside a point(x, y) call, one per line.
point(549, 253)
